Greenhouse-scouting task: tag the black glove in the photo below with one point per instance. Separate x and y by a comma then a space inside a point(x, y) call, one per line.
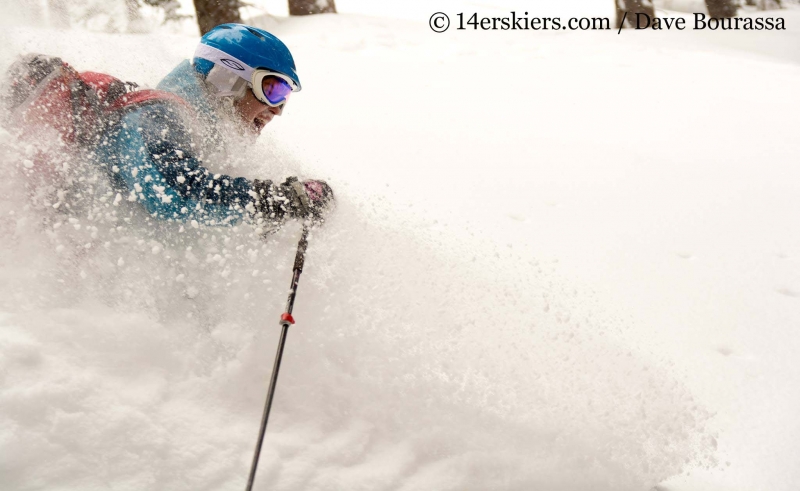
point(292, 199)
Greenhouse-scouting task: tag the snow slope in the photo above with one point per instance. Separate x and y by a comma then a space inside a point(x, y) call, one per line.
point(587, 280)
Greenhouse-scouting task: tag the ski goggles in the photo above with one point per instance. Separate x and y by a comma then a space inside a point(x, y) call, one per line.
point(271, 88)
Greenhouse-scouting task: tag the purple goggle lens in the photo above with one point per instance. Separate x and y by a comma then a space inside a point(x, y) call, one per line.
point(275, 89)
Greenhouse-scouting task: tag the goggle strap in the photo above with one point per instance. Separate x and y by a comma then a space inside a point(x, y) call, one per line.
point(224, 83)
point(219, 57)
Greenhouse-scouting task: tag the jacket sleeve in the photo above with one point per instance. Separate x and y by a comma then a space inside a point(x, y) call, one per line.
point(157, 162)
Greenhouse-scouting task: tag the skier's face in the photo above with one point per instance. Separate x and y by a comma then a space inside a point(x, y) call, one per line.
point(255, 114)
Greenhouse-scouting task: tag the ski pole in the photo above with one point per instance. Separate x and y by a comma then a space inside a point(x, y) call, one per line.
point(286, 321)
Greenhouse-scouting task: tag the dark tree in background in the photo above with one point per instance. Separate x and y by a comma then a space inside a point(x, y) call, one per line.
point(716, 9)
point(212, 13)
point(633, 7)
point(721, 8)
point(308, 7)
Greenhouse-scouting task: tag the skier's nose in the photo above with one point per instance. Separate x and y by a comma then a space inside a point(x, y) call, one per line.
point(277, 111)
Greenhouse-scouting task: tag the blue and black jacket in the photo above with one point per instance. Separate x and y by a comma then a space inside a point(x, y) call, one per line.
point(152, 153)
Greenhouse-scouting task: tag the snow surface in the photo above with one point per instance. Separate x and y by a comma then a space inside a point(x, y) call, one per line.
point(560, 261)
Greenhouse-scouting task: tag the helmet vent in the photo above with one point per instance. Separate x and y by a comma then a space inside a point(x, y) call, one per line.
point(256, 34)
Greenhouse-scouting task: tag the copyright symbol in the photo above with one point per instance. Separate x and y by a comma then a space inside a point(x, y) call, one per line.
point(439, 22)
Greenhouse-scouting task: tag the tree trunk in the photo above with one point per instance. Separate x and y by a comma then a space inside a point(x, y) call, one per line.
point(59, 14)
point(135, 22)
point(308, 7)
point(132, 9)
point(211, 13)
point(633, 7)
point(721, 8)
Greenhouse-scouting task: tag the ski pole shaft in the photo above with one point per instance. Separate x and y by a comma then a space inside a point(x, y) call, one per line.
point(286, 321)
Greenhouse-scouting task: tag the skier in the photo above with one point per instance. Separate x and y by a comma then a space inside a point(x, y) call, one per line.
point(157, 150)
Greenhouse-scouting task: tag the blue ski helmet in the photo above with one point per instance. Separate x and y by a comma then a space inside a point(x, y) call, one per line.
point(243, 49)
